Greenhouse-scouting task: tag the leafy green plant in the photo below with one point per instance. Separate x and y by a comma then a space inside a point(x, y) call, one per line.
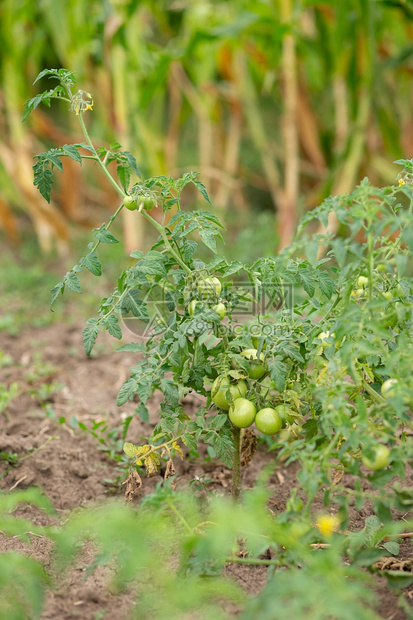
point(321, 343)
point(23, 580)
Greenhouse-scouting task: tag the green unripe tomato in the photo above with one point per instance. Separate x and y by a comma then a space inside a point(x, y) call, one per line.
point(148, 203)
point(220, 387)
point(130, 203)
point(362, 281)
point(268, 421)
point(285, 414)
point(242, 413)
point(323, 337)
point(220, 309)
point(209, 287)
point(359, 292)
point(381, 267)
point(255, 342)
point(191, 307)
point(387, 388)
point(257, 370)
point(400, 291)
point(388, 295)
point(380, 460)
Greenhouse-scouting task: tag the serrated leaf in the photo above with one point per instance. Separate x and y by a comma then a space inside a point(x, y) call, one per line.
point(132, 163)
point(131, 347)
point(208, 238)
point(43, 180)
point(113, 327)
point(136, 254)
point(124, 176)
point(72, 152)
point(90, 333)
point(72, 281)
point(307, 281)
point(133, 303)
point(92, 263)
point(291, 350)
point(326, 284)
point(171, 391)
point(126, 392)
point(56, 290)
point(130, 450)
point(105, 236)
point(202, 190)
point(142, 411)
point(279, 372)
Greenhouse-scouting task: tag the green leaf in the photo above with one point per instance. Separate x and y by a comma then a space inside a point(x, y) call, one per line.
point(132, 163)
point(171, 391)
point(142, 411)
point(392, 547)
point(136, 254)
point(131, 347)
point(56, 291)
point(92, 263)
point(291, 350)
point(208, 238)
point(307, 281)
point(127, 391)
point(90, 333)
point(112, 325)
point(124, 176)
point(326, 284)
point(202, 190)
point(43, 179)
point(130, 450)
point(279, 372)
point(105, 236)
point(72, 281)
point(397, 579)
point(72, 152)
point(133, 303)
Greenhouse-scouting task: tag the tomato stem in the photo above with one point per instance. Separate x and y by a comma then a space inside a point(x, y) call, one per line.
point(236, 468)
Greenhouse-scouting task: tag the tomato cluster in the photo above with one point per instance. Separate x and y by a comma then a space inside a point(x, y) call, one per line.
point(208, 289)
point(133, 202)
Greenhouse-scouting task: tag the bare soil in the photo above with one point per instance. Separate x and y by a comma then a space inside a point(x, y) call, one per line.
point(73, 471)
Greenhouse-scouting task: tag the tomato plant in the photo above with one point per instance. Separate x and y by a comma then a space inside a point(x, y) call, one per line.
point(330, 325)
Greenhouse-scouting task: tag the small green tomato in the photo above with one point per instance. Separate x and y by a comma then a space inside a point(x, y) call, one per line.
point(220, 309)
point(130, 203)
point(220, 387)
point(268, 421)
point(362, 282)
point(255, 341)
point(380, 459)
point(387, 388)
point(209, 286)
point(242, 413)
point(323, 337)
point(148, 203)
point(191, 307)
point(257, 370)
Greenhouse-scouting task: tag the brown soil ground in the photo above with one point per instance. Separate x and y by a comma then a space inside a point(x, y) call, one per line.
point(73, 471)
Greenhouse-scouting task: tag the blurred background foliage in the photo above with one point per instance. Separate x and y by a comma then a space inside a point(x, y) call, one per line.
point(278, 103)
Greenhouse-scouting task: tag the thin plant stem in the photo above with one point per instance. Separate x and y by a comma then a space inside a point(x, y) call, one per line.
point(236, 467)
